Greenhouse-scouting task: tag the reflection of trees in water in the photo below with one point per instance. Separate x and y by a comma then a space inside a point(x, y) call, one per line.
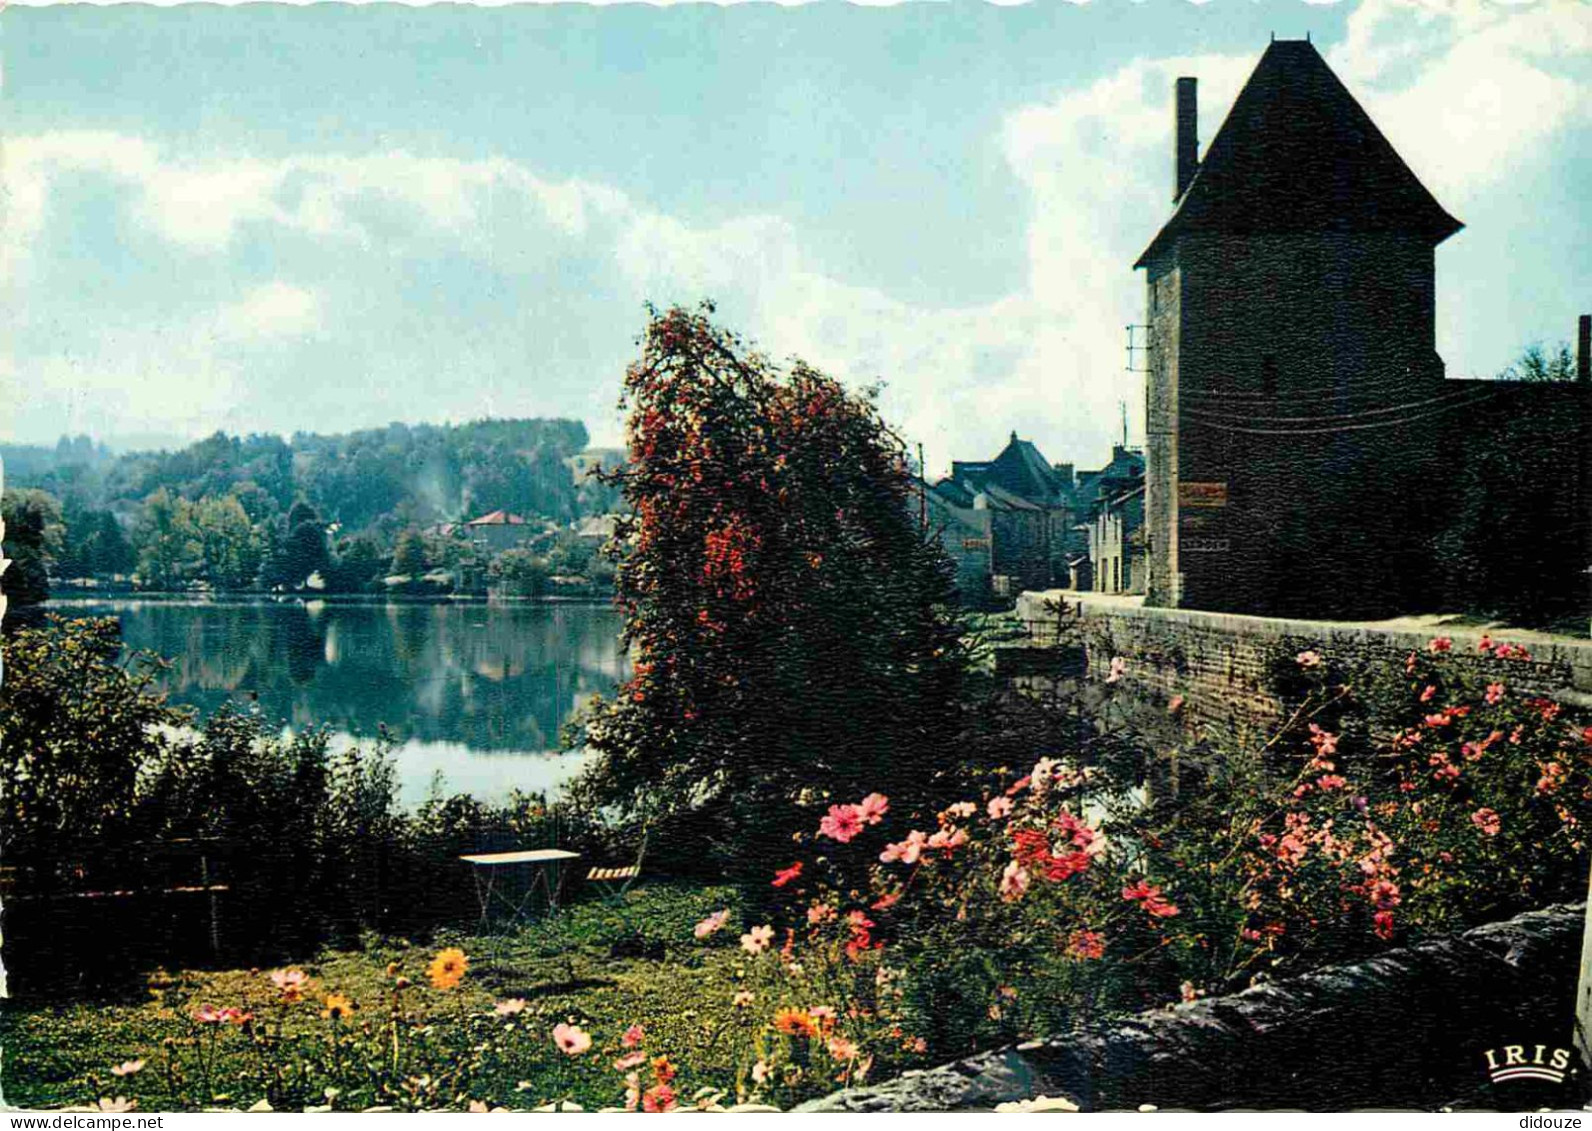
point(489, 677)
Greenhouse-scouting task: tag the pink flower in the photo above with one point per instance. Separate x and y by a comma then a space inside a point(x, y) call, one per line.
point(1485, 644)
point(819, 913)
point(1174, 705)
point(1440, 644)
point(290, 982)
point(1014, 882)
point(961, 810)
point(1488, 821)
point(841, 823)
point(208, 1015)
point(712, 924)
point(785, 876)
point(630, 1060)
point(907, 851)
point(1495, 693)
point(1384, 894)
point(1119, 668)
point(571, 1040)
point(758, 939)
point(1383, 921)
point(510, 1007)
point(1426, 695)
point(1308, 659)
point(1328, 782)
point(841, 1049)
point(948, 838)
point(873, 808)
point(633, 1037)
point(999, 807)
point(1188, 992)
point(1086, 945)
point(128, 1068)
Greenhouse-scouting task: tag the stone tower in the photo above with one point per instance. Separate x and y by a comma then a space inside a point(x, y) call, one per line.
point(1293, 387)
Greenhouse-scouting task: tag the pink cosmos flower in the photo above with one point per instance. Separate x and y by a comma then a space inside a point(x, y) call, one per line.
point(1495, 693)
point(1330, 782)
point(712, 924)
point(961, 810)
point(819, 913)
point(786, 875)
point(841, 1049)
point(1426, 695)
point(128, 1068)
point(873, 808)
point(208, 1015)
point(1174, 705)
point(907, 851)
point(1383, 921)
point(289, 981)
point(999, 807)
point(1119, 668)
point(1308, 659)
point(1014, 882)
point(633, 1037)
point(841, 823)
point(630, 1060)
point(1488, 821)
point(509, 1007)
point(948, 838)
point(1485, 644)
point(1440, 644)
point(1086, 945)
point(758, 939)
point(570, 1039)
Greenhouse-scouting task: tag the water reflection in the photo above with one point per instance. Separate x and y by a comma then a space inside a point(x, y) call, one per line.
point(472, 690)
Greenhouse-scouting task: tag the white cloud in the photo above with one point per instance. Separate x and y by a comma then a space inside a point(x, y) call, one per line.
point(274, 310)
point(1465, 91)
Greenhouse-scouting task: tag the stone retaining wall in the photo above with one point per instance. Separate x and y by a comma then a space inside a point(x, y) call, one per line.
point(1220, 662)
point(1407, 1029)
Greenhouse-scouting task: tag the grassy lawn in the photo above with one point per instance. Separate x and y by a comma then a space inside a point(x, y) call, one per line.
point(595, 966)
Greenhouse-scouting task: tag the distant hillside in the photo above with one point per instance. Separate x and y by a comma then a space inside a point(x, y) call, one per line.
point(380, 479)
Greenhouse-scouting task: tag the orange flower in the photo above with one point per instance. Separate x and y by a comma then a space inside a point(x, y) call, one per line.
point(796, 1022)
point(447, 968)
point(338, 1007)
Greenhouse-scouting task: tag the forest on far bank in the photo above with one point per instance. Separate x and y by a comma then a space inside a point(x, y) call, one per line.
point(239, 512)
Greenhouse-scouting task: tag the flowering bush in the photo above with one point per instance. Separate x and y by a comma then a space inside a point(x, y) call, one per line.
point(1071, 889)
point(788, 614)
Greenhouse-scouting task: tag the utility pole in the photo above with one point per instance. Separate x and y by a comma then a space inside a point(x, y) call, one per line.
point(923, 487)
point(1123, 407)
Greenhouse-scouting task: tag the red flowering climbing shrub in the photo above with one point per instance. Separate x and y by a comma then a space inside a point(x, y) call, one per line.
point(789, 619)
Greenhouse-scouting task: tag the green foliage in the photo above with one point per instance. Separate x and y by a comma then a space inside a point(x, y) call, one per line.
point(521, 573)
point(1515, 543)
point(409, 556)
point(790, 621)
point(77, 730)
point(34, 536)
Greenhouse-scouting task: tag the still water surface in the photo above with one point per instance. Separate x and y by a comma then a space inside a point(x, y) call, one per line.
point(477, 692)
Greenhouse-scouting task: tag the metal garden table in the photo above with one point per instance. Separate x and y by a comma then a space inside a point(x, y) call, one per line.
point(492, 871)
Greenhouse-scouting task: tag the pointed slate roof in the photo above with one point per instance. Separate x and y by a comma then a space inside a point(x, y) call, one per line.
point(1297, 153)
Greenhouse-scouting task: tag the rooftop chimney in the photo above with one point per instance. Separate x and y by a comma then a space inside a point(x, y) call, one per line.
point(1583, 349)
point(1188, 142)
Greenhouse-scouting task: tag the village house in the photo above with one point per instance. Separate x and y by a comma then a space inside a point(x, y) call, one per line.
point(499, 530)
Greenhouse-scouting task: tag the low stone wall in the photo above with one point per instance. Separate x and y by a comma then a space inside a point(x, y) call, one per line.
point(1220, 662)
point(1407, 1029)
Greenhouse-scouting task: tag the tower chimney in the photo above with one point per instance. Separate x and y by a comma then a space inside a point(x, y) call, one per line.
point(1188, 142)
point(1583, 349)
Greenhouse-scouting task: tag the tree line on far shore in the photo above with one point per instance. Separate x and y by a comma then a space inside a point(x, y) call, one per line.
point(341, 511)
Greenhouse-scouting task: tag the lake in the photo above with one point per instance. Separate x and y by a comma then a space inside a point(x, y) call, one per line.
point(476, 692)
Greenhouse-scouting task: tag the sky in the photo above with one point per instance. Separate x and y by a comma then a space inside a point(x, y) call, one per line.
point(268, 219)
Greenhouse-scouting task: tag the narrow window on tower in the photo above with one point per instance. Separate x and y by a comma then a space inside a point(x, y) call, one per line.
point(1268, 375)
